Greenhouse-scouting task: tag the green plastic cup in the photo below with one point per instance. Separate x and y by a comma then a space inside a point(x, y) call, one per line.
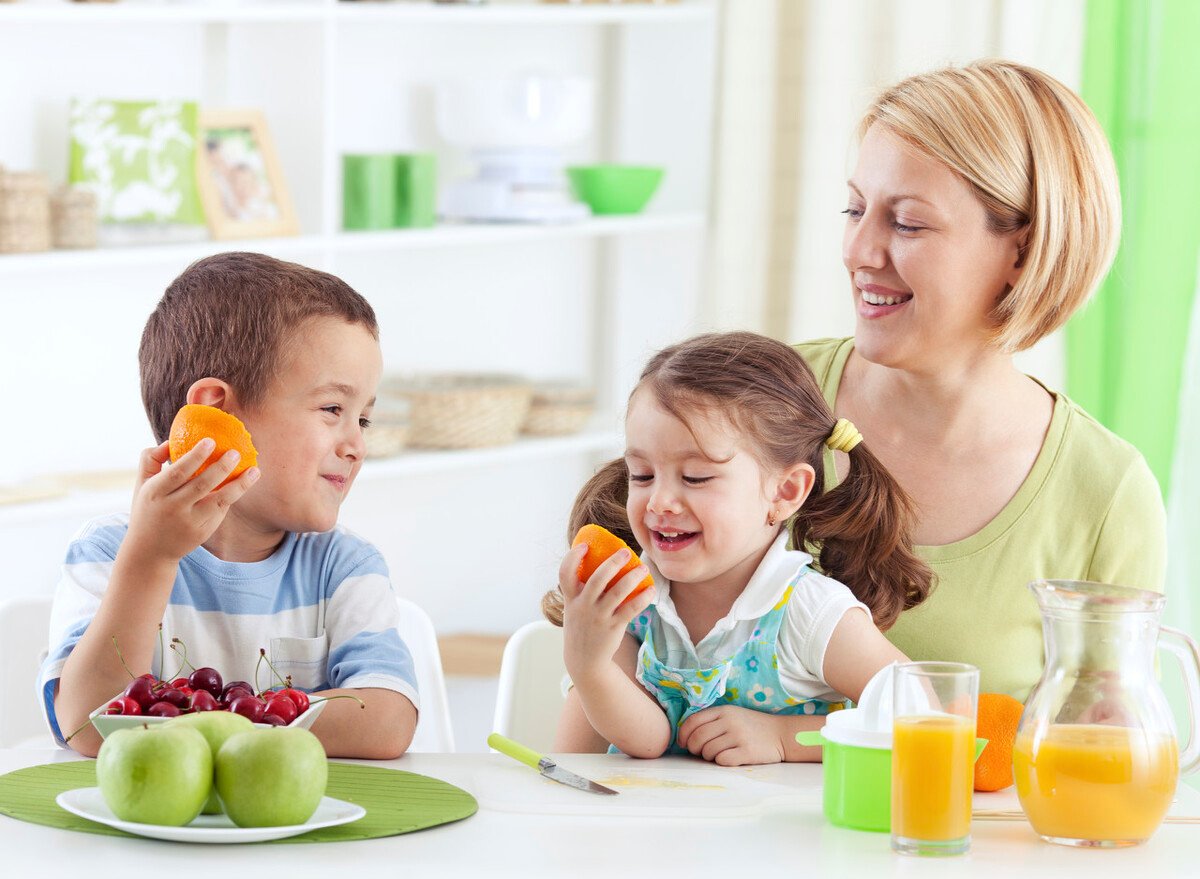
point(416, 190)
point(368, 191)
point(614, 189)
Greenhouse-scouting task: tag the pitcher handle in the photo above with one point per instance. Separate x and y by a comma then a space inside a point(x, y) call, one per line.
point(1188, 655)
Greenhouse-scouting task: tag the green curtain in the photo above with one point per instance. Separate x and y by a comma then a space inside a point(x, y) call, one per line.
point(1125, 350)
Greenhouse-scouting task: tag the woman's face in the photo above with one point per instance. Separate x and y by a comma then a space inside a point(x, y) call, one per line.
point(925, 270)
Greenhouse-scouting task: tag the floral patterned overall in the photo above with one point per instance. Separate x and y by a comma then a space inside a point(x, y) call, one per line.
point(749, 678)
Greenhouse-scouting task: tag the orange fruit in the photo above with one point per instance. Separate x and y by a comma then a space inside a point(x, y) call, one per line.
point(601, 544)
point(195, 422)
point(996, 721)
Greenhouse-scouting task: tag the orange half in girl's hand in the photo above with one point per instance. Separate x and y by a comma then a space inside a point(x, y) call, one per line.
point(601, 544)
point(195, 422)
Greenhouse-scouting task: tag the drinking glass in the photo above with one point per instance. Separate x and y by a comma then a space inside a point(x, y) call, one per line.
point(933, 756)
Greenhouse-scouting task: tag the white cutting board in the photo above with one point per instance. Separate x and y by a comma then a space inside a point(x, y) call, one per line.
point(684, 787)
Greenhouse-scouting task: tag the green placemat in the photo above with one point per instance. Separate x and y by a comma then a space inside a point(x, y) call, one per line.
point(396, 802)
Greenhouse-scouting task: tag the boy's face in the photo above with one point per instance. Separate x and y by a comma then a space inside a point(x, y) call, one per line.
point(309, 427)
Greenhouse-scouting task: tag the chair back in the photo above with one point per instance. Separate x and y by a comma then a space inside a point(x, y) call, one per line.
point(24, 635)
point(530, 698)
point(434, 729)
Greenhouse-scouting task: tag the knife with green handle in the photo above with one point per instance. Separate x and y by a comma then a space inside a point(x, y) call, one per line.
point(544, 765)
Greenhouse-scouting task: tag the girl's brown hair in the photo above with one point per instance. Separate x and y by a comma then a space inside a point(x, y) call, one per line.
point(859, 531)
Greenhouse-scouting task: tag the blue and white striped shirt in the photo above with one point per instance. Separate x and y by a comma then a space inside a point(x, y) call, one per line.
point(321, 605)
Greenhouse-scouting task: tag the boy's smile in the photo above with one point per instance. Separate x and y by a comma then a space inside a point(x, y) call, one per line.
point(309, 432)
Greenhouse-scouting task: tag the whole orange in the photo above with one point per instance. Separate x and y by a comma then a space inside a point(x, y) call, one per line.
point(601, 544)
point(195, 422)
point(997, 722)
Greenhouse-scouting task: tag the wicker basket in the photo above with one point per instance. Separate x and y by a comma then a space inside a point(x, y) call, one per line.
point(390, 427)
point(463, 411)
point(24, 212)
point(73, 214)
point(558, 409)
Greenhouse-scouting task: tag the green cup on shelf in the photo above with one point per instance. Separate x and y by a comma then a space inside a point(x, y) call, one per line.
point(416, 190)
point(388, 190)
point(368, 191)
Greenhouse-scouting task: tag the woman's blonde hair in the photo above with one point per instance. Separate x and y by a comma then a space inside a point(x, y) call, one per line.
point(1037, 160)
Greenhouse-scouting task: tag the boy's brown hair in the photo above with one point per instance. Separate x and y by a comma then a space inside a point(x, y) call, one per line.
point(230, 316)
point(860, 530)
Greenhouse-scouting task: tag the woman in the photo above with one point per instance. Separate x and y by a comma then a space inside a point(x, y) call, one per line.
point(982, 212)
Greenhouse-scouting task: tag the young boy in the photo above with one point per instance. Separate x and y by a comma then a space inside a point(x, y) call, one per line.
point(294, 353)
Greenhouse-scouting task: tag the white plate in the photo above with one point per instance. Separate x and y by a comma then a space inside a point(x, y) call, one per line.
point(106, 723)
point(88, 802)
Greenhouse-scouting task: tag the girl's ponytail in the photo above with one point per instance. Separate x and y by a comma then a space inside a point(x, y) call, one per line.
point(860, 532)
point(601, 501)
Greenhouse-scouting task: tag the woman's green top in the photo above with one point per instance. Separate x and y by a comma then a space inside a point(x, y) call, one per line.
point(1090, 509)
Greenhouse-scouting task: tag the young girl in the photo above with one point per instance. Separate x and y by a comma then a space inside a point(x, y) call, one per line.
point(743, 642)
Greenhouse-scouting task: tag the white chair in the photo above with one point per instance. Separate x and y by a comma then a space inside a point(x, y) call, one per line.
point(530, 699)
point(434, 730)
point(24, 632)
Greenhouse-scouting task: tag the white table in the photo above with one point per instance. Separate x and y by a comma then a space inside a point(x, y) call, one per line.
point(786, 837)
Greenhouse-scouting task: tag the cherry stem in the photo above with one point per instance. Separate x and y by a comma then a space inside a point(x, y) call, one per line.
point(361, 703)
point(162, 654)
point(123, 665)
point(183, 658)
point(86, 723)
point(262, 654)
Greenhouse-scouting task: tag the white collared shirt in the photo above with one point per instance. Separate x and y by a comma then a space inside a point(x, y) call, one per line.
point(817, 605)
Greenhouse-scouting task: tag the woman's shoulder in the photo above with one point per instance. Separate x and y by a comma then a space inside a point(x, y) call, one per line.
point(825, 357)
point(1093, 452)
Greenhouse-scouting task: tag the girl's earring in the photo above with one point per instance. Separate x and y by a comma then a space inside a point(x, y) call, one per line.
point(771, 519)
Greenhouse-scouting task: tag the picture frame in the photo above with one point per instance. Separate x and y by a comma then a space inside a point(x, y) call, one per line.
point(241, 182)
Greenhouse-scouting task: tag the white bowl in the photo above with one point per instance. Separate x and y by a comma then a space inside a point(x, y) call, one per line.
point(106, 724)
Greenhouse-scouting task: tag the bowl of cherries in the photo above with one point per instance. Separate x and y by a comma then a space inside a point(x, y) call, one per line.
point(149, 699)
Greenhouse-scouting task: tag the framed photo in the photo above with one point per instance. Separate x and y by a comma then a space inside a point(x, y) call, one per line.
point(241, 184)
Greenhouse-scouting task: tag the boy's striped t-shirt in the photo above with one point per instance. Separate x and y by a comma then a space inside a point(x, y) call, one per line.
point(321, 605)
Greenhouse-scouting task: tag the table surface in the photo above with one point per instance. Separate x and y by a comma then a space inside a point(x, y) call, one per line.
point(675, 817)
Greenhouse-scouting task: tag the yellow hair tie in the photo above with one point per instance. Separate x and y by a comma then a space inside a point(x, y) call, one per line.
point(845, 436)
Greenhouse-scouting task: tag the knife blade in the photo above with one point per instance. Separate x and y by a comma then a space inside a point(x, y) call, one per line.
point(545, 765)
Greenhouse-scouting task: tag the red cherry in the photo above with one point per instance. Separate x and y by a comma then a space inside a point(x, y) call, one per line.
point(236, 693)
point(140, 691)
point(206, 679)
point(282, 706)
point(175, 697)
point(274, 720)
point(250, 707)
point(163, 709)
point(123, 705)
point(297, 696)
point(202, 700)
point(179, 683)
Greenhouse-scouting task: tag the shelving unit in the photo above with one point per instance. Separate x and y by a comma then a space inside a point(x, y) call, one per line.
point(586, 300)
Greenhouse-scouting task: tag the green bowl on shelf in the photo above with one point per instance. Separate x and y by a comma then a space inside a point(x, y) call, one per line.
point(614, 189)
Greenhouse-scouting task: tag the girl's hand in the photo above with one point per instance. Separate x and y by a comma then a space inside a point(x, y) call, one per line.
point(730, 735)
point(594, 621)
point(172, 512)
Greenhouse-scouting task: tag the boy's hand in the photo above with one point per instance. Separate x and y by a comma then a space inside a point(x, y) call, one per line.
point(173, 513)
point(594, 621)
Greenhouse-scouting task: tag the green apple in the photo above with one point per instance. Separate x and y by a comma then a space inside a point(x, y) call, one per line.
point(155, 775)
point(271, 777)
point(216, 727)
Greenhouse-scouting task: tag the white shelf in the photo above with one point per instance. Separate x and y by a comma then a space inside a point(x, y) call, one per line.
point(396, 12)
point(81, 504)
point(347, 242)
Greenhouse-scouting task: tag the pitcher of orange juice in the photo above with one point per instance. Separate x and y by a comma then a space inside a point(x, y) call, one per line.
point(1096, 757)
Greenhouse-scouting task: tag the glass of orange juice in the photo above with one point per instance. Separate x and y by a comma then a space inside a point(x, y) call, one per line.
point(933, 756)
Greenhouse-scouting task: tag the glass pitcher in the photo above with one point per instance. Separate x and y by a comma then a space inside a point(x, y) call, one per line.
point(1096, 757)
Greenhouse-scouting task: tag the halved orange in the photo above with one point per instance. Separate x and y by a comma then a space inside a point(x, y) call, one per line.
point(194, 422)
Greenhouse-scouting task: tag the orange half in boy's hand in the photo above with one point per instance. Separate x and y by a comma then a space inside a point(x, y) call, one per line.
point(601, 544)
point(195, 422)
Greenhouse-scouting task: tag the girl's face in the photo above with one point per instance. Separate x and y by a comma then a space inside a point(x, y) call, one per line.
point(925, 270)
point(698, 505)
point(309, 429)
